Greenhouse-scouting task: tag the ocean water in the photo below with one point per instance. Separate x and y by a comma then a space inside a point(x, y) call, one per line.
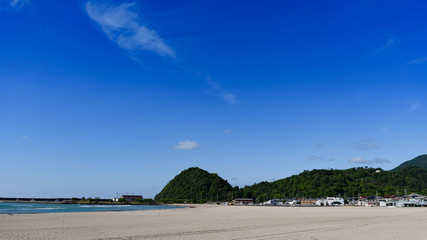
point(12, 208)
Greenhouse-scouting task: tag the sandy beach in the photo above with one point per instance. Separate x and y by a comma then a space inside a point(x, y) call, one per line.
point(222, 222)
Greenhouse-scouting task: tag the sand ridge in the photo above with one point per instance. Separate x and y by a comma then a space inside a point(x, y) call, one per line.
point(222, 222)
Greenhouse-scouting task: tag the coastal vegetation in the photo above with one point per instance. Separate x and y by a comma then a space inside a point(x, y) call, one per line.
point(197, 185)
point(351, 182)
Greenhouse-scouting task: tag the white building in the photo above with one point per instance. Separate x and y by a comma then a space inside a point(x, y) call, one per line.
point(330, 201)
point(273, 202)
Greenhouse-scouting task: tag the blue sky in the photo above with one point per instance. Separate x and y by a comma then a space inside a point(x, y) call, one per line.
point(106, 97)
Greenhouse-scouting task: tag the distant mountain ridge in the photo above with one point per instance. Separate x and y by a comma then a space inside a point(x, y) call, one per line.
point(420, 161)
point(198, 185)
point(360, 181)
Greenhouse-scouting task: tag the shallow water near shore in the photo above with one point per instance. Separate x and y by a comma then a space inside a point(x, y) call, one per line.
point(13, 208)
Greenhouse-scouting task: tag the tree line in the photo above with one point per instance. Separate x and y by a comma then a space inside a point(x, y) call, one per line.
point(197, 185)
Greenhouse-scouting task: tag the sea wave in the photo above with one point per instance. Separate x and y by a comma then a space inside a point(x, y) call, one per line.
point(104, 206)
point(48, 208)
point(10, 208)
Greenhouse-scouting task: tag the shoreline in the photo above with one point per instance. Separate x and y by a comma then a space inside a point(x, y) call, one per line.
point(13, 208)
point(81, 203)
point(179, 205)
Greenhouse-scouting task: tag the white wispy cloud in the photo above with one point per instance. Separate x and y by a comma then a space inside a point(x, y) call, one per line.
point(186, 145)
point(218, 90)
point(391, 42)
point(413, 106)
point(381, 160)
point(316, 158)
point(227, 130)
point(360, 160)
point(384, 129)
point(228, 97)
point(417, 61)
point(25, 138)
point(365, 144)
point(17, 4)
point(124, 26)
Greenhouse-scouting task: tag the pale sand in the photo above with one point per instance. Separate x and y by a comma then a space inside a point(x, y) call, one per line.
point(222, 222)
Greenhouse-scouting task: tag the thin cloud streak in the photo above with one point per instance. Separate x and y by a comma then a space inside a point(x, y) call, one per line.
point(357, 160)
point(381, 160)
point(417, 61)
point(18, 4)
point(414, 106)
point(228, 97)
point(384, 129)
point(26, 138)
point(315, 158)
point(124, 27)
point(186, 145)
point(217, 90)
point(365, 144)
point(391, 42)
point(360, 160)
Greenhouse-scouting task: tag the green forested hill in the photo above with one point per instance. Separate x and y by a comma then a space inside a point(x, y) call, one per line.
point(349, 182)
point(420, 161)
point(196, 184)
